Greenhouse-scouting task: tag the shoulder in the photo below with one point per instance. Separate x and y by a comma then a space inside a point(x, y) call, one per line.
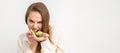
point(23, 40)
point(22, 37)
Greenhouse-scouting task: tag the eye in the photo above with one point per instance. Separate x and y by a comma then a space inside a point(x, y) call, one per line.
point(31, 21)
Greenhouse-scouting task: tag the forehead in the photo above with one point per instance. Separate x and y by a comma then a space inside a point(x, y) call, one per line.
point(35, 16)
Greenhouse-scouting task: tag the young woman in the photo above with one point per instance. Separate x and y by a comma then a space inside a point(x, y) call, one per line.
point(37, 18)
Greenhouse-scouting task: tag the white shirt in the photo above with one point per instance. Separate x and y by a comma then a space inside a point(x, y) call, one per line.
point(23, 45)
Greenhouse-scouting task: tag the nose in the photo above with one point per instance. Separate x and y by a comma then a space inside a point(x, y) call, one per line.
point(35, 27)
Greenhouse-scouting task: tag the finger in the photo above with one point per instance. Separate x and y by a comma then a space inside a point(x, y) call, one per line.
point(31, 30)
point(41, 39)
point(28, 33)
point(45, 35)
point(32, 34)
point(29, 36)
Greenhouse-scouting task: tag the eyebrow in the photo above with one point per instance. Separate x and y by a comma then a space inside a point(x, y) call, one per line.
point(33, 21)
point(39, 21)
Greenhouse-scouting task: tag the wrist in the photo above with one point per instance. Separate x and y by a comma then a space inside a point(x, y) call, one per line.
point(33, 47)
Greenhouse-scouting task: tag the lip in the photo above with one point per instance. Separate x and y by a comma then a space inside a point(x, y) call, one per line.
point(36, 30)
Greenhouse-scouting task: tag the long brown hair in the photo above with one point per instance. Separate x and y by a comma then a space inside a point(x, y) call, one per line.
point(42, 9)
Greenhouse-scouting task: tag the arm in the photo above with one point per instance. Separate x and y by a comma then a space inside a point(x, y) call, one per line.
point(21, 48)
point(47, 47)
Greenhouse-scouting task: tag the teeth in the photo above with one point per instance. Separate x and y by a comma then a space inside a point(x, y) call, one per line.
point(37, 30)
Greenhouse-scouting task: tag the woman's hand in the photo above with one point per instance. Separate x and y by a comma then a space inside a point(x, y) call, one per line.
point(34, 39)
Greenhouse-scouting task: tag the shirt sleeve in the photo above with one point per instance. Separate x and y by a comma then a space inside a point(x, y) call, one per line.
point(28, 51)
point(47, 47)
point(21, 48)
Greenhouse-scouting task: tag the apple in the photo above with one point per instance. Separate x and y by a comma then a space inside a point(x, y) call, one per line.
point(38, 33)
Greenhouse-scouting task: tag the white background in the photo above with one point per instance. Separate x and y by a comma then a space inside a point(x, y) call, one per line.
point(82, 26)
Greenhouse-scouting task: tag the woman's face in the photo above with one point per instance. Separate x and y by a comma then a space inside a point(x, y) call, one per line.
point(34, 20)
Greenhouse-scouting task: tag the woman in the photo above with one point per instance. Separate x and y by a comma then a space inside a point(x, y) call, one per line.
point(37, 18)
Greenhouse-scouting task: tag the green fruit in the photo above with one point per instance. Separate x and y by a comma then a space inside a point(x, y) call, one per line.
point(38, 33)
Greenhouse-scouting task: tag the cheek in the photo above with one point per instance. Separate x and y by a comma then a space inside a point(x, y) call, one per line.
point(29, 25)
point(40, 26)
